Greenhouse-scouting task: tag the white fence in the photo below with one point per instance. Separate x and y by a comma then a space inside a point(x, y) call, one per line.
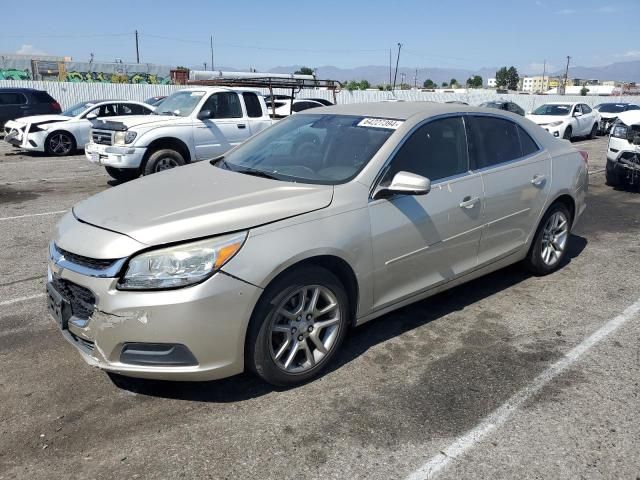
point(68, 94)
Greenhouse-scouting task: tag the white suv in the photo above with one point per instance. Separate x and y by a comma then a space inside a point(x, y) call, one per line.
point(623, 152)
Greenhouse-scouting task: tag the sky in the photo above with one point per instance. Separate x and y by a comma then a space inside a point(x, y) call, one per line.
point(468, 34)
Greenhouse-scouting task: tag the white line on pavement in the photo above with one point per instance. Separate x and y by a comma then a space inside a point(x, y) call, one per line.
point(53, 179)
point(500, 416)
point(33, 215)
point(20, 299)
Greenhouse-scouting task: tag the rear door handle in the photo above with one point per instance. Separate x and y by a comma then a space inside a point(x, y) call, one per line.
point(469, 202)
point(242, 125)
point(538, 180)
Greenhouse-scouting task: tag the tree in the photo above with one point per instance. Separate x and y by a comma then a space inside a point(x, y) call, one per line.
point(507, 78)
point(361, 85)
point(364, 84)
point(453, 83)
point(445, 84)
point(428, 83)
point(304, 71)
point(474, 82)
point(583, 91)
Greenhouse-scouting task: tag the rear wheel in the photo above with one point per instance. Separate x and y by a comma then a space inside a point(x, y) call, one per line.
point(297, 326)
point(60, 143)
point(123, 174)
point(161, 160)
point(567, 133)
point(550, 243)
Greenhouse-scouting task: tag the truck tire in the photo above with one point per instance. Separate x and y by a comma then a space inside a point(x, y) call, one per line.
point(123, 174)
point(161, 160)
point(612, 179)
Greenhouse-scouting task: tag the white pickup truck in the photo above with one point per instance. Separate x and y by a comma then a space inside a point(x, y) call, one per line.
point(190, 125)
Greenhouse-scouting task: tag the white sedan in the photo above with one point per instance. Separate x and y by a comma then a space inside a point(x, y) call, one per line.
point(63, 134)
point(566, 119)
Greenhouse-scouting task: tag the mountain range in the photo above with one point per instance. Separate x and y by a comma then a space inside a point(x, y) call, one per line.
point(379, 74)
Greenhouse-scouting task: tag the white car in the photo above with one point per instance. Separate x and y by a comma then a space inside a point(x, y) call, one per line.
point(63, 134)
point(609, 114)
point(623, 151)
point(284, 108)
point(566, 119)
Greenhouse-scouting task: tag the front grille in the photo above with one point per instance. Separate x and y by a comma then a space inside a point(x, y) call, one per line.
point(95, 263)
point(82, 300)
point(101, 137)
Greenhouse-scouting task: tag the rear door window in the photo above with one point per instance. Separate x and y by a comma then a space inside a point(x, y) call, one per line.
point(252, 103)
point(495, 141)
point(13, 98)
point(132, 109)
point(526, 142)
point(586, 108)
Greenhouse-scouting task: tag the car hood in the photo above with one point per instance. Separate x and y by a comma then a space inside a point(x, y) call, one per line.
point(130, 121)
point(607, 115)
point(632, 117)
point(544, 119)
point(37, 119)
point(196, 201)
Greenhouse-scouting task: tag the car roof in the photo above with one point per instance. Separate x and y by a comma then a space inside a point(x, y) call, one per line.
point(398, 110)
point(563, 103)
point(20, 89)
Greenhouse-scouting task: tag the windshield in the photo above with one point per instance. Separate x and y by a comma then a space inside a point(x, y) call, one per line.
point(553, 109)
point(308, 148)
point(77, 109)
point(612, 108)
point(491, 105)
point(180, 104)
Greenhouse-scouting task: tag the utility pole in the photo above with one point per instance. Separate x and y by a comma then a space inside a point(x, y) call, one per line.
point(566, 75)
point(137, 49)
point(211, 43)
point(415, 80)
point(544, 70)
point(390, 67)
point(205, 65)
point(395, 75)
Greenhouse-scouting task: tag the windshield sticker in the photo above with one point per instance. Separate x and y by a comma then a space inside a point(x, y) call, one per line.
point(197, 94)
point(380, 123)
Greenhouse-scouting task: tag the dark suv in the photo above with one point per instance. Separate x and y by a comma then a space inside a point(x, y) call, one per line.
point(23, 102)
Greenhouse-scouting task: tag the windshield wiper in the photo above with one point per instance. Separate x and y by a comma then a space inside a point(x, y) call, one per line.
point(257, 173)
point(167, 112)
point(219, 162)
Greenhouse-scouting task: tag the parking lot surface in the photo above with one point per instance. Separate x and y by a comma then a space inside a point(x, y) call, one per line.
point(404, 391)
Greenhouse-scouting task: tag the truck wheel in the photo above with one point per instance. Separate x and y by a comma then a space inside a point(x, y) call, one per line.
point(612, 178)
point(161, 160)
point(567, 133)
point(594, 131)
point(123, 174)
point(60, 143)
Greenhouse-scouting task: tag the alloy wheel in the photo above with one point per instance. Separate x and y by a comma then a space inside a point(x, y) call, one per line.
point(304, 328)
point(166, 163)
point(60, 144)
point(554, 238)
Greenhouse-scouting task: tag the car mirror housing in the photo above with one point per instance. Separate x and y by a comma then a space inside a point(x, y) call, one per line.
point(92, 116)
point(204, 114)
point(577, 114)
point(405, 183)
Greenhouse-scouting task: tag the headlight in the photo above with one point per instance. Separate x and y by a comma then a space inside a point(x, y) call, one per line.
point(182, 265)
point(121, 138)
point(556, 124)
point(619, 131)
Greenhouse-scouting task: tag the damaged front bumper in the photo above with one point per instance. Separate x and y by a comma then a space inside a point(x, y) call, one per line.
point(193, 333)
point(27, 136)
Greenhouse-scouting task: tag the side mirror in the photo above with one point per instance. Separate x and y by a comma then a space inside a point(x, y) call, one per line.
point(204, 114)
point(92, 116)
point(577, 114)
point(636, 140)
point(405, 183)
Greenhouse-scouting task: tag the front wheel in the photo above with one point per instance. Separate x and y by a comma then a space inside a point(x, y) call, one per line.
point(594, 131)
point(297, 326)
point(550, 243)
point(612, 178)
point(60, 143)
point(161, 160)
point(123, 174)
point(567, 133)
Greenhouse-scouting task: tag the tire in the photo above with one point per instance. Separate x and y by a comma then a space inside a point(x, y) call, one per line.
point(123, 174)
point(567, 133)
point(594, 131)
point(272, 336)
point(612, 179)
point(536, 260)
point(60, 143)
point(161, 160)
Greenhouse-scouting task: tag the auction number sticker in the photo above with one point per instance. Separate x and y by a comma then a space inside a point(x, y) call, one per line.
point(380, 123)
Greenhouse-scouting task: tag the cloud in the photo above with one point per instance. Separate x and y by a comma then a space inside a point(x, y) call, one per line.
point(566, 11)
point(29, 50)
point(629, 54)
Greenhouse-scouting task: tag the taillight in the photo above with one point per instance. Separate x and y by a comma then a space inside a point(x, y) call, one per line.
point(56, 107)
point(585, 156)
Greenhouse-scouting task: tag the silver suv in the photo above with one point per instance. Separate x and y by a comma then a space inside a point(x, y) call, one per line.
point(264, 258)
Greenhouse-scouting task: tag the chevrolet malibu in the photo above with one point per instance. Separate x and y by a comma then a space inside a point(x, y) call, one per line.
point(264, 258)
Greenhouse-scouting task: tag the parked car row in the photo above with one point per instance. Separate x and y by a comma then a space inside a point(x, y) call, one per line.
point(264, 257)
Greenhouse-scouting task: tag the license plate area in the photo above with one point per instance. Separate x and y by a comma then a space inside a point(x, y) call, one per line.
point(59, 308)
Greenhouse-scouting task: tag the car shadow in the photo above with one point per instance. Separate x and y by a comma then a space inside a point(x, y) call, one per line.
point(247, 386)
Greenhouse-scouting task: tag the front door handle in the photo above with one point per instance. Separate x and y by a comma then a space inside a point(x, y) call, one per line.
point(469, 202)
point(538, 180)
point(242, 125)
